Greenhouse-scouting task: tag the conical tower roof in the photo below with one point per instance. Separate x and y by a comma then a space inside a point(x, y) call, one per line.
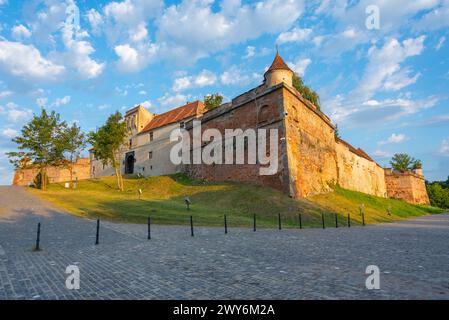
point(278, 64)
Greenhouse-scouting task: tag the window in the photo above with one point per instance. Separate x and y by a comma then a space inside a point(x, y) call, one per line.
point(182, 125)
point(151, 136)
point(151, 167)
point(143, 168)
point(130, 143)
point(150, 155)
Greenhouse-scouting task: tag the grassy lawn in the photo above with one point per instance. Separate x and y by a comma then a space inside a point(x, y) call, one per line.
point(163, 200)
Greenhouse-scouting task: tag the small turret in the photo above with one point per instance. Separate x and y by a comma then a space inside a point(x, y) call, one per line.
point(278, 72)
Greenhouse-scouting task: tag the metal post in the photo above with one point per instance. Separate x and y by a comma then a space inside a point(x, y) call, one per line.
point(38, 238)
point(349, 220)
point(226, 224)
point(98, 232)
point(149, 228)
point(363, 218)
point(191, 226)
point(279, 218)
point(300, 221)
point(336, 221)
point(322, 220)
point(254, 223)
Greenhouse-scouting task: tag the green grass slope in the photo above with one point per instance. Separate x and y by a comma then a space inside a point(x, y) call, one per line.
point(163, 200)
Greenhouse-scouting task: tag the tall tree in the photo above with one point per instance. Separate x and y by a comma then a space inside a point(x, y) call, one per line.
point(73, 142)
point(212, 101)
point(305, 91)
point(403, 162)
point(107, 142)
point(39, 143)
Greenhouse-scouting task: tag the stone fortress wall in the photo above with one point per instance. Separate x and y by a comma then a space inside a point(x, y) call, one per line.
point(25, 176)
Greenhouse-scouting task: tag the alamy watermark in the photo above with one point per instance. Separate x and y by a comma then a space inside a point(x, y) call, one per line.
point(72, 282)
point(237, 146)
point(372, 282)
point(372, 21)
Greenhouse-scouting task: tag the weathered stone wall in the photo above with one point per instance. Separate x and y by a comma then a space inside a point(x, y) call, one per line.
point(358, 173)
point(253, 110)
point(25, 177)
point(310, 147)
point(407, 186)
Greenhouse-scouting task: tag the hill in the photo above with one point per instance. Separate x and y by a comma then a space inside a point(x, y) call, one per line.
point(163, 199)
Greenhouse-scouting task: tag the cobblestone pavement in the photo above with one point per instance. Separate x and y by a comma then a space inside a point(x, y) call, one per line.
point(413, 257)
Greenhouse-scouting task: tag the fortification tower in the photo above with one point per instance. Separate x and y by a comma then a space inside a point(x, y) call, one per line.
point(278, 72)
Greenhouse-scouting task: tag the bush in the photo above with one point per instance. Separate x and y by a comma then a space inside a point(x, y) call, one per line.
point(438, 195)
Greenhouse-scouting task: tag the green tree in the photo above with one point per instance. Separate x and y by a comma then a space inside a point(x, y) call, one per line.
point(403, 162)
point(305, 91)
point(439, 196)
point(73, 142)
point(39, 144)
point(212, 101)
point(417, 164)
point(337, 132)
point(107, 142)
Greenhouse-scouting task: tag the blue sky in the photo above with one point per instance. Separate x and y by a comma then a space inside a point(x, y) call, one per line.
point(386, 88)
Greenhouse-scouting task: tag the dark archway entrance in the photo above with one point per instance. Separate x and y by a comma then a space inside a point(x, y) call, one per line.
point(129, 163)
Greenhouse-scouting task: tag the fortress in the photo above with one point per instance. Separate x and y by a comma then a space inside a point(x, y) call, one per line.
point(311, 159)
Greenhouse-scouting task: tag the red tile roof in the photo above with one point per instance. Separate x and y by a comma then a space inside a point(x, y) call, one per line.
point(278, 64)
point(187, 111)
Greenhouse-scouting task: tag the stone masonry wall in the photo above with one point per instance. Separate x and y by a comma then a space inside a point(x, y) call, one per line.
point(246, 111)
point(81, 170)
point(310, 148)
point(407, 186)
point(359, 174)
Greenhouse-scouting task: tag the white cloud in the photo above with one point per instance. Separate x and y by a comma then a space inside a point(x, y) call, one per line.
point(203, 79)
point(78, 53)
point(61, 101)
point(440, 43)
point(400, 79)
point(14, 114)
point(146, 104)
point(390, 56)
point(20, 32)
point(235, 76)
point(95, 20)
point(193, 29)
point(26, 61)
point(250, 51)
point(300, 66)
point(382, 154)
point(444, 148)
point(294, 35)
point(142, 92)
point(133, 59)
point(436, 19)
point(104, 107)
point(4, 94)
point(41, 102)
point(394, 139)
point(9, 133)
point(173, 100)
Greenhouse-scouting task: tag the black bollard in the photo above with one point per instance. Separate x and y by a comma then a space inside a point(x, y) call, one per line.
point(191, 226)
point(254, 223)
point(279, 220)
point(349, 220)
point(226, 224)
point(300, 221)
point(363, 218)
point(97, 237)
point(322, 220)
point(336, 221)
point(38, 238)
point(149, 228)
